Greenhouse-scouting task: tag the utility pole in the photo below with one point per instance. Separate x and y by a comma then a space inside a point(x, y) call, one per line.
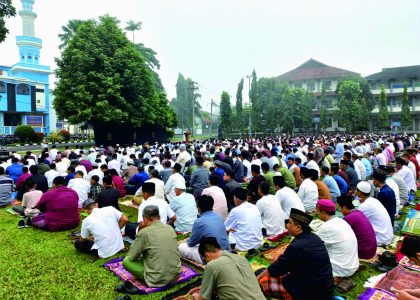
point(194, 88)
point(211, 117)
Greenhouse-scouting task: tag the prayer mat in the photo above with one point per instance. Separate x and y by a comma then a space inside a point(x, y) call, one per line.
point(11, 211)
point(412, 223)
point(374, 294)
point(256, 265)
point(187, 292)
point(405, 262)
point(399, 278)
point(274, 253)
point(194, 263)
point(115, 266)
point(279, 236)
point(129, 203)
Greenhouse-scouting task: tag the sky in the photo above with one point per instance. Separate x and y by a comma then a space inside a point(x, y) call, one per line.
point(218, 42)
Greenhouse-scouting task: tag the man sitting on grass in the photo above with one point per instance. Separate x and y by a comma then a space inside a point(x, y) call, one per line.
point(227, 276)
point(30, 199)
point(366, 240)
point(304, 270)
point(340, 240)
point(154, 255)
point(101, 230)
point(58, 207)
point(6, 189)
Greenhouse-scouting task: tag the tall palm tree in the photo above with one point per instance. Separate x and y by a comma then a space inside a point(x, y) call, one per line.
point(69, 31)
point(133, 26)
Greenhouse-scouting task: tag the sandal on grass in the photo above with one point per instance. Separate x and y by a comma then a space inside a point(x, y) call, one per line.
point(251, 253)
point(345, 285)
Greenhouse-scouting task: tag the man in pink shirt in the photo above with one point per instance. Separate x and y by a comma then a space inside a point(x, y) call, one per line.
point(58, 207)
point(220, 203)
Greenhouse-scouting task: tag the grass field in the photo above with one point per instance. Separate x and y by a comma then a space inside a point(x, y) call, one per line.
point(41, 265)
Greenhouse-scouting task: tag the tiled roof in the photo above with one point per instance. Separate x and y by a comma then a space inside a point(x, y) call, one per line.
point(313, 69)
point(398, 72)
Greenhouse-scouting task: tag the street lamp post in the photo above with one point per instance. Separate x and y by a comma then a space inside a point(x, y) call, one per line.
point(250, 105)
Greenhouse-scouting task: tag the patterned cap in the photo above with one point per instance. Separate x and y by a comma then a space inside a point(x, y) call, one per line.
point(300, 216)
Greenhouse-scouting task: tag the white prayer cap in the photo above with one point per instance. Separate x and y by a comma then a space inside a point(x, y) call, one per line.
point(180, 185)
point(364, 187)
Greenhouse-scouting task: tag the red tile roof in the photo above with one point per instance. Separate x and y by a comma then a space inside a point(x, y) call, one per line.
point(313, 69)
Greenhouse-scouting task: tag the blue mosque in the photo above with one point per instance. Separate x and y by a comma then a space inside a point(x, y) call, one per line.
point(25, 95)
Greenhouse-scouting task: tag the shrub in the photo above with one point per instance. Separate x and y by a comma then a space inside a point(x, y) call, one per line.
point(55, 137)
point(65, 134)
point(25, 133)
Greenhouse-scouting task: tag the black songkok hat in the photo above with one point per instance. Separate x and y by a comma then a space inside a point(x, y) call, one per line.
point(300, 216)
point(241, 194)
point(345, 162)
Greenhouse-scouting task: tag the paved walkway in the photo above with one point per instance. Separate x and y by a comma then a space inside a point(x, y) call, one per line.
point(38, 147)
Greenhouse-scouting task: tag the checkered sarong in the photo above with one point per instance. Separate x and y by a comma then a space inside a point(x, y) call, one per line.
point(272, 287)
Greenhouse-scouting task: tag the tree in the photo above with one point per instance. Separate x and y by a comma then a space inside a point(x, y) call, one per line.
point(405, 115)
point(296, 109)
point(364, 116)
point(239, 119)
point(365, 91)
point(324, 113)
point(7, 10)
point(349, 94)
point(184, 101)
point(383, 115)
point(69, 32)
point(225, 113)
point(133, 26)
point(104, 79)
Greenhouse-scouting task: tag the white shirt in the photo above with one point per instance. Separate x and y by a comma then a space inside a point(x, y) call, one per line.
point(103, 225)
point(220, 203)
point(394, 186)
point(408, 178)
point(115, 164)
point(185, 210)
point(61, 168)
point(53, 153)
point(81, 168)
point(96, 172)
point(380, 220)
point(81, 187)
point(362, 168)
point(165, 211)
point(412, 167)
point(380, 157)
point(288, 199)
point(313, 165)
point(247, 164)
point(170, 185)
point(272, 215)
point(246, 220)
point(308, 193)
point(341, 244)
point(51, 174)
point(159, 188)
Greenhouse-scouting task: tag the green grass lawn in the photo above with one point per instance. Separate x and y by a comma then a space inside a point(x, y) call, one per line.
point(35, 264)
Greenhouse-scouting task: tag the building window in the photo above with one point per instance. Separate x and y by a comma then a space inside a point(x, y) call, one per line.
point(2, 87)
point(397, 85)
point(22, 89)
point(310, 86)
point(327, 84)
point(38, 101)
point(298, 84)
point(40, 90)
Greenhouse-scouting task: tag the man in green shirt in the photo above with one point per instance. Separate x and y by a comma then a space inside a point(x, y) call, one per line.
point(154, 255)
point(228, 276)
point(289, 179)
point(268, 175)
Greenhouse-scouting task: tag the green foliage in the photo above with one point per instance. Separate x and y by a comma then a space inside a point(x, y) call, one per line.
point(25, 133)
point(406, 121)
point(225, 113)
point(324, 113)
point(364, 116)
point(104, 78)
point(55, 137)
point(133, 26)
point(383, 115)
point(365, 91)
point(69, 31)
point(349, 94)
point(239, 120)
point(296, 109)
point(7, 10)
point(184, 101)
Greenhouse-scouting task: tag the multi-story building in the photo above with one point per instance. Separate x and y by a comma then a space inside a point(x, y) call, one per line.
point(311, 75)
point(393, 80)
point(24, 87)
